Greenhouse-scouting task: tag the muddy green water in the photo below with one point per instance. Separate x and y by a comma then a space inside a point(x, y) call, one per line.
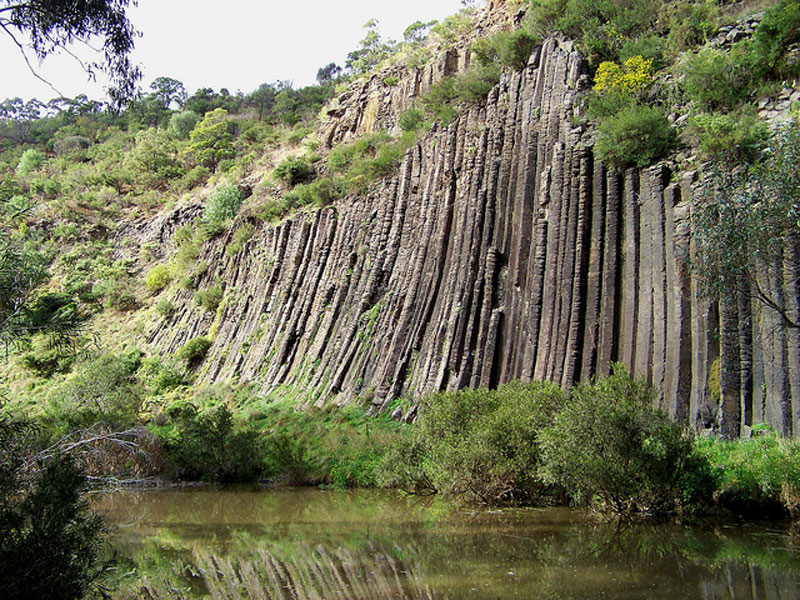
point(250, 543)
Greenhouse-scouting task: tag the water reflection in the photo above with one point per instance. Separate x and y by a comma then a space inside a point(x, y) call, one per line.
point(262, 544)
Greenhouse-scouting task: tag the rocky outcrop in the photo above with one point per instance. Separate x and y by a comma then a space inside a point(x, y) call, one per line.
point(502, 250)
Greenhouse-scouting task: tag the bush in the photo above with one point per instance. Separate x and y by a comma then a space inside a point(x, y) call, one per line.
point(715, 79)
point(30, 161)
point(50, 542)
point(223, 204)
point(637, 135)
point(210, 298)
point(210, 447)
point(411, 119)
point(481, 443)
point(165, 308)
point(610, 448)
point(182, 123)
point(72, 144)
point(211, 140)
point(475, 83)
point(157, 278)
point(241, 236)
point(46, 356)
point(774, 38)
point(161, 374)
point(507, 48)
point(293, 170)
point(194, 351)
point(730, 138)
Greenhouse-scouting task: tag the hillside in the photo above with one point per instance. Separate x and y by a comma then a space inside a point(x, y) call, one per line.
point(460, 215)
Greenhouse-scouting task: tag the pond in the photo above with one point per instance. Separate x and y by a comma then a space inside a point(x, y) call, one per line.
point(248, 543)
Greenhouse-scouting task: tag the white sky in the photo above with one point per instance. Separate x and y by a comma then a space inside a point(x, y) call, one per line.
point(233, 44)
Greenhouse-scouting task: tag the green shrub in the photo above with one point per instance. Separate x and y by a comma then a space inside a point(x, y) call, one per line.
point(437, 102)
point(45, 356)
point(319, 193)
point(211, 447)
point(452, 29)
point(165, 308)
point(209, 298)
point(72, 144)
point(689, 23)
point(223, 204)
point(194, 351)
point(507, 48)
point(181, 124)
point(474, 84)
point(715, 79)
point(730, 138)
point(157, 278)
point(481, 443)
point(610, 448)
point(161, 374)
point(241, 236)
point(411, 119)
point(637, 135)
point(51, 544)
point(774, 38)
point(30, 161)
point(293, 170)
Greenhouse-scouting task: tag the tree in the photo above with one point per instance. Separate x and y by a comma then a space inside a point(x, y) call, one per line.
point(264, 98)
point(417, 32)
point(211, 141)
point(49, 25)
point(328, 73)
point(747, 225)
point(168, 91)
point(372, 50)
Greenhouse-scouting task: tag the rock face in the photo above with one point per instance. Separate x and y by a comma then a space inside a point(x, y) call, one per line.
point(502, 250)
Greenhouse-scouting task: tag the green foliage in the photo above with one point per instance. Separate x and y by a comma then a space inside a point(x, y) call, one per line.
point(372, 50)
point(438, 101)
point(773, 39)
point(482, 443)
point(181, 124)
point(293, 170)
point(241, 236)
point(165, 308)
point(157, 278)
point(211, 140)
point(411, 119)
point(715, 79)
point(223, 204)
point(72, 145)
point(689, 23)
point(506, 48)
point(730, 138)
point(45, 356)
point(368, 158)
point(449, 31)
point(756, 474)
point(474, 84)
point(745, 218)
point(600, 27)
point(50, 542)
point(610, 448)
point(194, 351)
point(161, 374)
point(637, 135)
point(30, 161)
point(209, 446)
point(102, 388)
point(209, 298)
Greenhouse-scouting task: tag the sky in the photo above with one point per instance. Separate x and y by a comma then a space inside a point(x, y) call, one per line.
point(233, 43)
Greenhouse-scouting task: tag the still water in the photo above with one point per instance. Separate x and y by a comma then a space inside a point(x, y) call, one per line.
point(255, 543)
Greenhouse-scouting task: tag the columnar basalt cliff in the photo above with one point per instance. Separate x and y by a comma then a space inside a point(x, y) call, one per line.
point(502, 249)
